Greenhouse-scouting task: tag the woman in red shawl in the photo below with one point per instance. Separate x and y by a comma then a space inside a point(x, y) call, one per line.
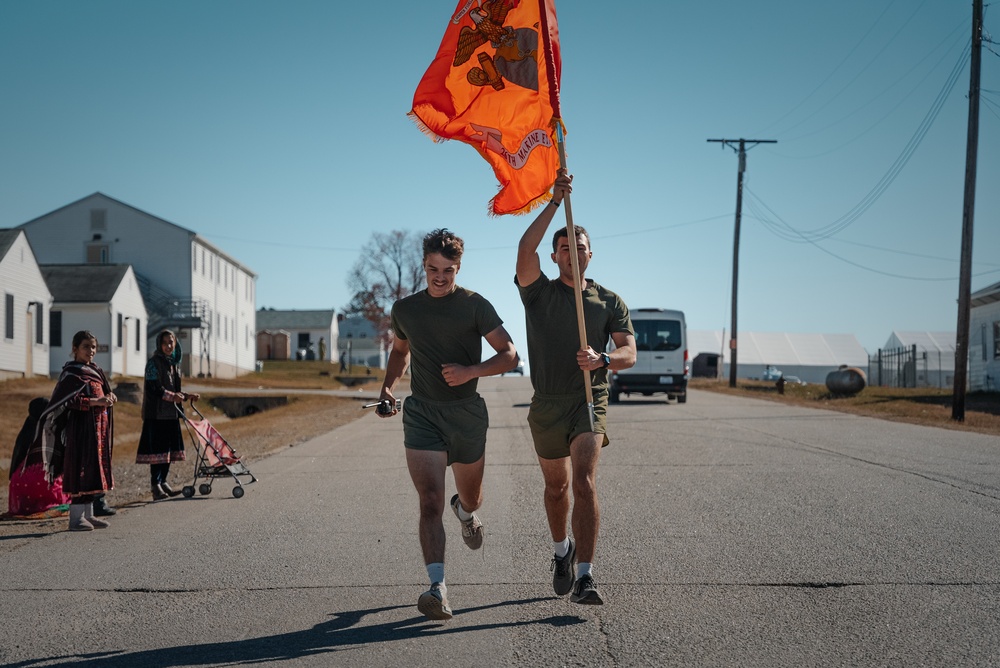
point(76, 433)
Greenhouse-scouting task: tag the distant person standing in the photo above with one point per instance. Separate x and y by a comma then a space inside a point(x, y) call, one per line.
point(322, 349)
point(343, 361)
point(568, 447)
point(76, 433)
point(161, 441)
point(440, 331)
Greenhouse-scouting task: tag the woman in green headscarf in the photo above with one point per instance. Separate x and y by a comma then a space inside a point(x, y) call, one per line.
point(162, 442)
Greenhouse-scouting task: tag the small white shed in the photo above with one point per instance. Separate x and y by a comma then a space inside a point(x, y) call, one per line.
point(102, 298)
point(313, 334)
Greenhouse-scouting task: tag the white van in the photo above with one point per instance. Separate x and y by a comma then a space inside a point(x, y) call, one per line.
point(661, 364)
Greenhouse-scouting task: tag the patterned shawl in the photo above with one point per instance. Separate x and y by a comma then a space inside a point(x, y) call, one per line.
point(50, 436)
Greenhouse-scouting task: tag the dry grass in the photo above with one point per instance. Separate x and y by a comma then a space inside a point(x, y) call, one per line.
point(307, 375)
point(924, 406)
point(253, 437)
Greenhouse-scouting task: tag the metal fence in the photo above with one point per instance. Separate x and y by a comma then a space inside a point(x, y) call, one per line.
point(896, 367)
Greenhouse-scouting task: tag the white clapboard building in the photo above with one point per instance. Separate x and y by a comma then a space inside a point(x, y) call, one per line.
point(984, 339)
point(188, 285)
point(24, 346)
point(104, 299)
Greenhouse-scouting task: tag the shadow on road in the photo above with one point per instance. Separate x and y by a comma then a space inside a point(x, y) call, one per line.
point(339, 633)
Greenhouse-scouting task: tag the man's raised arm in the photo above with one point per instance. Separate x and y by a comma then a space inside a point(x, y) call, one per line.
point(528, 265)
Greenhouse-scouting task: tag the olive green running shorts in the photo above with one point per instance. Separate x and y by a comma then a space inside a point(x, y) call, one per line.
point(456, 427)
point(555, 420)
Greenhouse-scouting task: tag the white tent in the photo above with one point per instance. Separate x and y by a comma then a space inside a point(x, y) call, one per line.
point(809, 356)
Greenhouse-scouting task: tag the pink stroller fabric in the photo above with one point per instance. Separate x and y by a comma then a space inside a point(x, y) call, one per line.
point(217, 451)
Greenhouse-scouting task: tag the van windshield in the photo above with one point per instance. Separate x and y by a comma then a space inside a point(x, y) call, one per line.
point(657, 334)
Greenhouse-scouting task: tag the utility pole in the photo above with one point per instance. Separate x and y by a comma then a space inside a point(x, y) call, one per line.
point(968, 211)
point(736, 236)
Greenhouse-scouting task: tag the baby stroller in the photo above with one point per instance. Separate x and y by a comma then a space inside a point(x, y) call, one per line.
point(215, 457)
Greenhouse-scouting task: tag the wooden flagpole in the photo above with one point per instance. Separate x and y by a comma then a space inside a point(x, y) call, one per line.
point(575, 263)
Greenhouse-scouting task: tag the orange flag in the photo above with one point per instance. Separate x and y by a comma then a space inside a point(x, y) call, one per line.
point(494, 84)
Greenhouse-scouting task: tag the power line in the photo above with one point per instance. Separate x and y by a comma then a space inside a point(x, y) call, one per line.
point(282, 245)
point(775, 228)
point(884, 91)
point(900, 162)
point(863, 69)
point(832, 72)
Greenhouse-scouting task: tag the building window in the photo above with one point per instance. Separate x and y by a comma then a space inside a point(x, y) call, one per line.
point(55, 329)
point(8, 316)
point(39, 324)
point(996, 340)
point(303, 340)
point(121, 324)
point(98, 219)
point(138, 335)
point(194, 258)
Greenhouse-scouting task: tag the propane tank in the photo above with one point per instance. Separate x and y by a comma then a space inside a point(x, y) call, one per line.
point(847, 380)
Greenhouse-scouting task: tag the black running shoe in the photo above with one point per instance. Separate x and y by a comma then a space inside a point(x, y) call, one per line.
point(585, 592)
point(564, 571)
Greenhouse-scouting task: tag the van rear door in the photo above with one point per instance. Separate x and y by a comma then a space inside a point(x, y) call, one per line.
point(656, 343)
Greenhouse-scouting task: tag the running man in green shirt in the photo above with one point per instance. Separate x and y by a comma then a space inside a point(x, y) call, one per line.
point(568, 447)
point(439, 333)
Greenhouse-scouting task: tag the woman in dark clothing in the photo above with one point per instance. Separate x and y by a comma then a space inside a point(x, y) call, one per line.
point(161, 441)
point(29, 493)
point(76, 433)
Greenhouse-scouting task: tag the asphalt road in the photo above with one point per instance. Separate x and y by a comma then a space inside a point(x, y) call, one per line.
point(736, 532)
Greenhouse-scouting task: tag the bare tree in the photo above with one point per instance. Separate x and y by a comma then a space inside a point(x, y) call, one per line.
point(391, 267)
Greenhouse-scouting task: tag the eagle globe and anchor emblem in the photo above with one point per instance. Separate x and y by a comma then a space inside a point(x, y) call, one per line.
point(515, 59)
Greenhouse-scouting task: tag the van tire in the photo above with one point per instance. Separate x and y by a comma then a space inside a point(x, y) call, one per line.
point(614, 397)
point(682, 398)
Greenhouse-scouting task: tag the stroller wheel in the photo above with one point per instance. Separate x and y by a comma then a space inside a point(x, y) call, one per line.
point(205, 488)
point(188, 491)
point(238, 491)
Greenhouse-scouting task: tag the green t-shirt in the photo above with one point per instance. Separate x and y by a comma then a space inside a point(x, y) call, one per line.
point(553, 336)
point(443, 330)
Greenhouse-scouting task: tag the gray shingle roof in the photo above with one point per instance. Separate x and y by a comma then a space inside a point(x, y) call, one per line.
point(271, 319)
point(7, 238)
point(83, 282)
point(987, 295)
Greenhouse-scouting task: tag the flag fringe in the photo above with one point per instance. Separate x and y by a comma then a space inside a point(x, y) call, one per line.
point(435, 137)
point(539, 201)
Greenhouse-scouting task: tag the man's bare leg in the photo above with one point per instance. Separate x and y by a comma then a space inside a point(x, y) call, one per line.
point(427, 470)
point(469, 483)
point(585, 453)
point(556, 473)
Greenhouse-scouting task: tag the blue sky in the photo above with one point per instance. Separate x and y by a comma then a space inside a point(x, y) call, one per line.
point(278, 131)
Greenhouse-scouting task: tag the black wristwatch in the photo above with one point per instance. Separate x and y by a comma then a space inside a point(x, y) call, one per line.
point(606, 358)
